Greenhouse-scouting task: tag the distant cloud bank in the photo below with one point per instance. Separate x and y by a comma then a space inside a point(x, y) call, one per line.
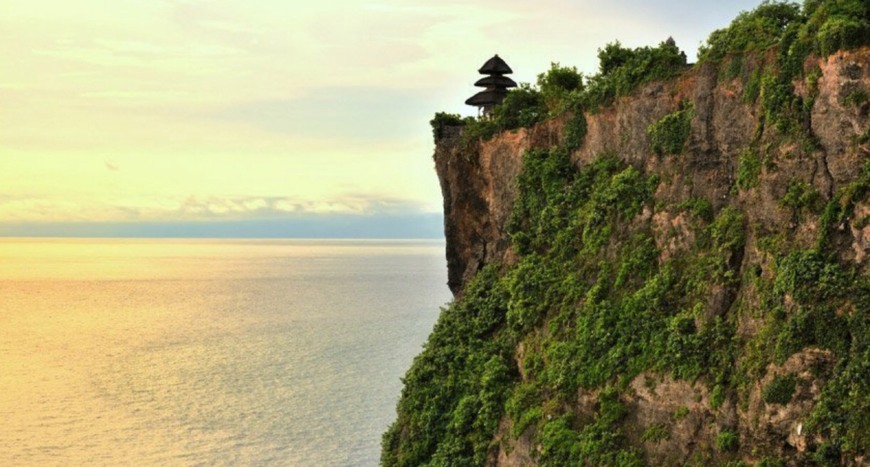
point(404, 226)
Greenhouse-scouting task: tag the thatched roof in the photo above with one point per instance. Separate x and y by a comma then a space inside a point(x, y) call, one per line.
point(487, 98)
point(495, 66)
point(496, 81)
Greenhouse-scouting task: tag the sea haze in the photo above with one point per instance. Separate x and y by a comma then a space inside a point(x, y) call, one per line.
point(286, 352)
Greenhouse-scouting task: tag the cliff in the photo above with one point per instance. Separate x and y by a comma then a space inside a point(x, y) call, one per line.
point(479, 183)
point(686, 285)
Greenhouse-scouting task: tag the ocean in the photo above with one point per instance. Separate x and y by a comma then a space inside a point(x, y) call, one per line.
point(208, 352)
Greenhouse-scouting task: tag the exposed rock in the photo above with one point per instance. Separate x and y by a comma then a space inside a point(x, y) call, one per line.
point(479, 188)
point(678, 408)
point(781, 426)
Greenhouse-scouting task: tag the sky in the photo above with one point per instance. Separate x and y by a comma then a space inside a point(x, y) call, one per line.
point(142, 117)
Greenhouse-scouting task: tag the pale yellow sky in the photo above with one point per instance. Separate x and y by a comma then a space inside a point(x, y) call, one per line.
point(143, 110)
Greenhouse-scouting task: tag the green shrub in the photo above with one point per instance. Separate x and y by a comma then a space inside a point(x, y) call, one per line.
point(561, 88)
point(575, 131)
point(822, 26)
point(523, 407)
point(780, 390)
point(799, 195)
point(443, 120)
point(597, 443)
point(748, 169)
point(456, 389)
point(476, 130)
point(781, 107)
point(717, 396)
point(669, 135)
point(809, 277)
point(656, 433)
point(750, 31)
point(699, 208)
point(771, 462)
point(727, 441)
point(752, 89)
point(622, 70)
point(842, 33)
point(522, 108)
point(827, 454)
point(856, 98)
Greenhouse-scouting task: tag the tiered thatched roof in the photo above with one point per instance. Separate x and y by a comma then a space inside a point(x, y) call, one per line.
point(496, 84)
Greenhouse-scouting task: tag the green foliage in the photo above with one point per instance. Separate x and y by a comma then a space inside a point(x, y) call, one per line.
point(856, 98)
point(800, 194)
point(771, 462)
point(669, 135)
point(443, 120)
point(613, 57)
point(822, 26)
point(780, 390)
point(748, 169)
point(622, 70)
point(843, 412)
point(596, 443)
point(751, 31)
point(837, 25)
point(575, 131)
point(523, 407)
point(842, 206)
point(561, 88)
point(809, 277)
point(699, 208)
point(560, 79)
point(733, 68)
point(782, 108)
point(681, 413)
point(455, 390)
point(717, 396)
point(477, 129)
point(727, 441)
point(656, 433)
point(522, 108)
point(827, 455)
point(841, 33)
point(752, 89)
point(558, 218)
point(818, 289)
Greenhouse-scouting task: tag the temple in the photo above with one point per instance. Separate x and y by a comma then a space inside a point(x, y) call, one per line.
point(496, 85)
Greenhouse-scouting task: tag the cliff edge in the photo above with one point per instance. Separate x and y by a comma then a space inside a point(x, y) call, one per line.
point(674, 274)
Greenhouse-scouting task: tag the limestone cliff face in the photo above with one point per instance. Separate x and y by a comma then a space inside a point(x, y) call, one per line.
point(479, 188)
point(479, 185)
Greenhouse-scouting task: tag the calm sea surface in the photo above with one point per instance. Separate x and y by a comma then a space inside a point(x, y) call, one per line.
point(120, 352)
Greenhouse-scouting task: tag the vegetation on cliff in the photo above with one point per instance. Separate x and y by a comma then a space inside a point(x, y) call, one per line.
point(552, 345)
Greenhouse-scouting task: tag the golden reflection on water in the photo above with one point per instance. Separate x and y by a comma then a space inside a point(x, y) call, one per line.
point(63, 332)
point(190, 352)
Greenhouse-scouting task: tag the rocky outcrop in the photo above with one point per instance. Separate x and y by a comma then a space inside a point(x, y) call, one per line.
point(670, 420)
point(478, 180)
point(478, 185)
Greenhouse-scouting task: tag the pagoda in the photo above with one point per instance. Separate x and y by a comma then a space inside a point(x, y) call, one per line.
point(496, 85)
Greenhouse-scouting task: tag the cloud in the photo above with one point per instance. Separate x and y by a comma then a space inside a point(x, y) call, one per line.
point(383, 226)
point(20, 209)
point(254, 207)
